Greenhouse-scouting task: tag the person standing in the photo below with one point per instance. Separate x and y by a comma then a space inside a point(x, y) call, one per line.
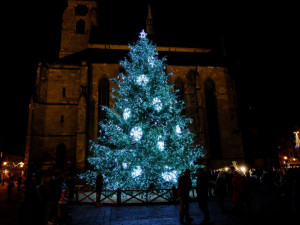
point(221, 190)
point(184, 187)
point(20, 180)
point(238, 181)
point(99, 186)
point(202, 193)
point(10, 186)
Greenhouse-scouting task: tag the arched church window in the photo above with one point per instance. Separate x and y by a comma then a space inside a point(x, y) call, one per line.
point(179, 85)
point(103, 99)
point(212, 120)
point(80, 27)
point(60, 156)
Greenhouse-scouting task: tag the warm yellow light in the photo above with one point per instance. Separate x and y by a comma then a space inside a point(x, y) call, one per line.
point(4, 163)
point(226, 168)
point(6, 171)
point(285, 157)
point(243, 169)
point(21, 164)
point(294, 159)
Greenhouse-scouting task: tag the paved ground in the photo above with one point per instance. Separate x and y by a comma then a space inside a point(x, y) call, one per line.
point(9, 211)
point(265, 208)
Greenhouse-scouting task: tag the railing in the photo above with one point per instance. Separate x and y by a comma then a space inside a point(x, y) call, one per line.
point(125, 197)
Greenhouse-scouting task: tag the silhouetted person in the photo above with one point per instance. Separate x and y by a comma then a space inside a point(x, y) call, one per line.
point(229, 177)
point(31, 208)
point(19, 182)
point(52, 200)
point(10, 186)
point(238, 192)
point(220, 190)
point(202, 193)
point(99, 186)
point(184, 188)
point(71, 184)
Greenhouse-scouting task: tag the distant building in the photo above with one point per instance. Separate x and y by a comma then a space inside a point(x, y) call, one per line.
point(289, 152)
point(11, 164)
point(64, 111)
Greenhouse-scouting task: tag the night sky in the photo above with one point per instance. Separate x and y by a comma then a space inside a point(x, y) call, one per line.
point(260, 41)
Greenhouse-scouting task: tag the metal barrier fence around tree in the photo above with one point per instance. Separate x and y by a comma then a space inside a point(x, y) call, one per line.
point(120, 197)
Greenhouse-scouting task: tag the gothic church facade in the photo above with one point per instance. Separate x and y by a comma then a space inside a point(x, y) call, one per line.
point(64, 111)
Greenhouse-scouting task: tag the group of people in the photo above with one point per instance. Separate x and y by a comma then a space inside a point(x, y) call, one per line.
point(183, 191)
point(239, 187)
point(236, 187)
point(46, 201)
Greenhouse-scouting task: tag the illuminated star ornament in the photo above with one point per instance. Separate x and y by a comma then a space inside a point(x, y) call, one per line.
point(143, 34)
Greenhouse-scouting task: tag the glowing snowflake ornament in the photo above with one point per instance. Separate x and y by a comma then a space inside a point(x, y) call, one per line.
point(161, 145)
point(136, 172)
point(136, 133)
point(170, 176)
point(126, 113)
point(142, 80)
point(151, 61)
point(178, 129)
point(157, 104)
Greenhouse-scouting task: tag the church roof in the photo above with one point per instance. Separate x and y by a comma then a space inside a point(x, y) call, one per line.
point(173, 56)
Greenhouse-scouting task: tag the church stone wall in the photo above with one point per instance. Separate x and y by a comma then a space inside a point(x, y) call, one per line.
point(99, 71)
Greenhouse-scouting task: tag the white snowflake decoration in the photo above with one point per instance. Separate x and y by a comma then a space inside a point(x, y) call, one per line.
point(124, 165)
point(170, 176)
point(126, 113)
point(178, 129)
point(136, 133)
point(142, 80)
point(161, 145)
point(143, 34)
point(157, 104)
point(151, 61)
point(136, 172)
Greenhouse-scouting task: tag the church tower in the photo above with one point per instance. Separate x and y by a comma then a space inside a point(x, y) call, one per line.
point(78, 19)
point(149, 22)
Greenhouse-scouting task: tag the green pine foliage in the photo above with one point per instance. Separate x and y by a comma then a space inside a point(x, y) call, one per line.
point(145, 139)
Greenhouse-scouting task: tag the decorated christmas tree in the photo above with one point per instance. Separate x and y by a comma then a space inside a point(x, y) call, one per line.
point(145, 140)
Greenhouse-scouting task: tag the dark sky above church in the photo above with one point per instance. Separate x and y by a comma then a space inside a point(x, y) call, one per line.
point(260, 40)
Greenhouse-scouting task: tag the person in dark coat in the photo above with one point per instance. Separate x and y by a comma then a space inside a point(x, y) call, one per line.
point(19, 180)
point(10, 186)
point(238, 190)
point(220, 190)
point(202, 193)
point(99, 186)
point(184, 187)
